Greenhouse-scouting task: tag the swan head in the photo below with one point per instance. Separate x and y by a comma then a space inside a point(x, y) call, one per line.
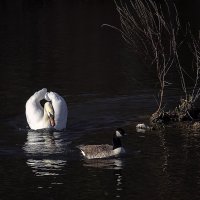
point(50, 112)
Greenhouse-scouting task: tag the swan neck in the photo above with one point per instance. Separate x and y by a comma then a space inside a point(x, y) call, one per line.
point(45, 115)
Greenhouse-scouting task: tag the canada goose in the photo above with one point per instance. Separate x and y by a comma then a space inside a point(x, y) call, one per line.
point(104, 150)
point(53, 115)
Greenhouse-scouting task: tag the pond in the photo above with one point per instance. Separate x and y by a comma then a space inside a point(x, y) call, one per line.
point(61, 45)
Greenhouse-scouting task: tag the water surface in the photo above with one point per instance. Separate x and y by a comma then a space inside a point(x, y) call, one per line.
point(60, 45)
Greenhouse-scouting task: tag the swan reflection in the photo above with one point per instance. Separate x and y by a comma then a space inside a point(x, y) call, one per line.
point(45, 167)
point(43, 150)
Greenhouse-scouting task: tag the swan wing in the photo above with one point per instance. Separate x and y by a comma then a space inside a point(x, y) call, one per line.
point(60, 109)
point(34, 110)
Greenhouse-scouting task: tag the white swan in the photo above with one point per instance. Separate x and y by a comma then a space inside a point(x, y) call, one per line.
point(53, 115)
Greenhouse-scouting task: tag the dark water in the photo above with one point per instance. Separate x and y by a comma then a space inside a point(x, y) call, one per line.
point(61, 45)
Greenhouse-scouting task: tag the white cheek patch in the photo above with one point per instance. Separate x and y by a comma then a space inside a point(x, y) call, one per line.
point(118, 134)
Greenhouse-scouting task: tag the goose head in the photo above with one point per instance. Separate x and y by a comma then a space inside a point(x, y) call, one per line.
point(49, 111)
point(119, 133)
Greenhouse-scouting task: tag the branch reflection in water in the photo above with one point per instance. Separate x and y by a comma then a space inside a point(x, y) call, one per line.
point(44, 152)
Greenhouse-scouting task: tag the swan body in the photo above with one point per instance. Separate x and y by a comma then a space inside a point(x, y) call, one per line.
point(104, 150)
point(53, 115)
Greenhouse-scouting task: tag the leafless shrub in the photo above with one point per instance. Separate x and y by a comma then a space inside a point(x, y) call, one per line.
point(152, 35)
point(195, 48)
point(152, 30)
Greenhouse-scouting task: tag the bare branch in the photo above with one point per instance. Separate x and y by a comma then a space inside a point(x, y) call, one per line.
point(152, 31)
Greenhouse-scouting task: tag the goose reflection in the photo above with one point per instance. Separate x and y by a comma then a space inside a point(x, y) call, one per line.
point(43, 150)
point(118, 183)
point(104, 163)
point(116, 165)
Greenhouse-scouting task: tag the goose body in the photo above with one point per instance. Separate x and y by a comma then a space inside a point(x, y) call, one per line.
point(53, 115)
point(104, 150)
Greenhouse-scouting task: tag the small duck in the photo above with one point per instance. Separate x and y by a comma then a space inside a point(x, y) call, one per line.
point(142, 128)
point(104, 150)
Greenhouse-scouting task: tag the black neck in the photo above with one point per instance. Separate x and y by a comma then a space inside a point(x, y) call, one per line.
point(116, 142)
